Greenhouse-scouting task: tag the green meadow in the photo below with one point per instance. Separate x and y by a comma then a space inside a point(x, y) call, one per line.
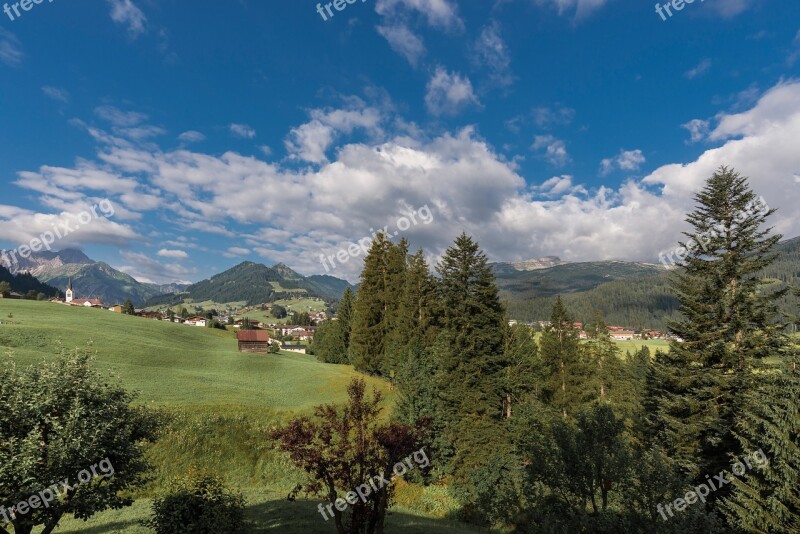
point(221, 404)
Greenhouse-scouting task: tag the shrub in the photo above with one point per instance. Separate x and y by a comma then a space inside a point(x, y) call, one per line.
point(199, 503)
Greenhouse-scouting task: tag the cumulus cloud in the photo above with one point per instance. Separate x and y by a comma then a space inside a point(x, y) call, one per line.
point(459, 176)
point(626, 160)
point(148, 270)
point(242, 130)
point(126, 13)
point(438, 13)
point(191, 136)
point(551, 149)
point(403, 41)
point(449, 93)
point(491, 51)
point(175, 254)
point(698, 129)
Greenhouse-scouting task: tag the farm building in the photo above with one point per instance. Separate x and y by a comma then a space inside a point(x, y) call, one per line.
point(253, 340)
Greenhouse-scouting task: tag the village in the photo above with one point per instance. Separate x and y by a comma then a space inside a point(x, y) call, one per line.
point(252, 335)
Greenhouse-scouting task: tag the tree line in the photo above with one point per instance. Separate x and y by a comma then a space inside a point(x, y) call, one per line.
point(551, 434)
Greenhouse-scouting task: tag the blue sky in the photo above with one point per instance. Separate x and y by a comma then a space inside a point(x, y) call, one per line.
point(256, 130)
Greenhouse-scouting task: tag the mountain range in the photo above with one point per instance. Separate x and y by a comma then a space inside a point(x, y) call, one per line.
point(90, 279)
point(629, 293)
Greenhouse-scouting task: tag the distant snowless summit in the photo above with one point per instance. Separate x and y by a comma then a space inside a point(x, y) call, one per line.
point(539, 263)
point(528, 265)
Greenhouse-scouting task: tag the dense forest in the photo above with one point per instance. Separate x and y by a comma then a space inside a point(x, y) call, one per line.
point(556, 434)
point(26, 284)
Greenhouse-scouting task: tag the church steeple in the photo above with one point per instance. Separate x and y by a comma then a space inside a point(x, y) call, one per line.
point(69, 293)
point(69, 284)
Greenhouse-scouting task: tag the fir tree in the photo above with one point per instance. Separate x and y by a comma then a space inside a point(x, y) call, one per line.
point(729, 324)
point(471, 367)
point(560, 353)
point(344, 316)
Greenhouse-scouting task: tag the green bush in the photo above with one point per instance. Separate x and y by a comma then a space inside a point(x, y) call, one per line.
point(199, 503)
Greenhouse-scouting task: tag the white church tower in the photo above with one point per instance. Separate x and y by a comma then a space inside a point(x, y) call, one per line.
point(69, 291)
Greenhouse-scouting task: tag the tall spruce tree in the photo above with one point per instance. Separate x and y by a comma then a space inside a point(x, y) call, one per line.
point(369, 323)
point(561, 358)
point(344, 316)
point(471, 368)
point(729, 323)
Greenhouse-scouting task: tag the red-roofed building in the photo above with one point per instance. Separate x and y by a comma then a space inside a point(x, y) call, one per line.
point(253, 340)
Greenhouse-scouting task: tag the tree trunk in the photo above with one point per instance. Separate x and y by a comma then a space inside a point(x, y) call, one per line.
point(49, 527)
point(22, 528)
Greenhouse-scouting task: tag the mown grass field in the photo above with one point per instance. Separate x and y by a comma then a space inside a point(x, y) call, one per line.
point(223, 404)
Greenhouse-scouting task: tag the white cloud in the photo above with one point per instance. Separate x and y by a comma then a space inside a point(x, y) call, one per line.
point(439, 13)
point(701, 68)
point(310, 141)
point(174, 254)
point(626, 160)
point(549, 116)
point(10, 48)
point(552, 149)
point(242, 130)
point(191, 136)
point(403, 41)
point(145, 269)
point(235, 252)
point(697, 128)
point(465, 183)
point(581, 8)
point(55, 93)
point(492, 52)
point(449, 93)
point(125, 12)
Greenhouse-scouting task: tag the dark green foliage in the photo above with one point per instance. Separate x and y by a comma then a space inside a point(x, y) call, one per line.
point(278, 311)
point(199, 503)
point(767, 497)
point(329, 344)
point(561, 361)
point(128, 308)
point(250, 282)
point(62, 417)
point(372, 321)
point(730, 323)
point(24, 282)
point(470, 357)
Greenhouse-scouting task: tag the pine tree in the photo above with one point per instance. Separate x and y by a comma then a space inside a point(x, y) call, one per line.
point(560, 353)
point(729, 324)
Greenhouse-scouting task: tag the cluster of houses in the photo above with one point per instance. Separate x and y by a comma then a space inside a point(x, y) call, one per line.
point(256, 340)
point(617, 333)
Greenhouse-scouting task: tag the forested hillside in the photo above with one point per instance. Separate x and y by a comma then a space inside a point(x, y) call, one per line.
point(255, 283)
point(637, 300)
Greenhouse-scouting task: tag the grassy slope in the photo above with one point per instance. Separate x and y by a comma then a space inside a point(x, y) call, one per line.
point(223, 402)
